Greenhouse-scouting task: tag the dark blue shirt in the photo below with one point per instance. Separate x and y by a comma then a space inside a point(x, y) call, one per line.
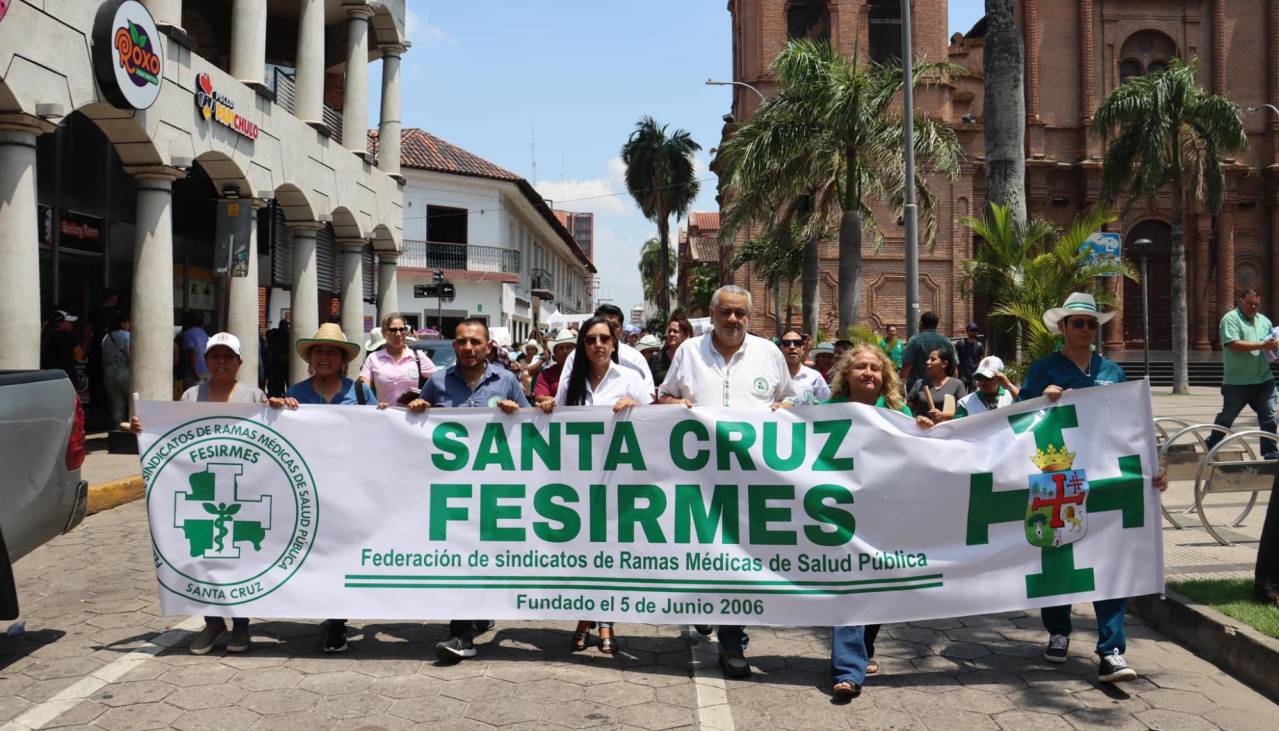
point(305, 393)
point(1057, 370)
point(448, 387)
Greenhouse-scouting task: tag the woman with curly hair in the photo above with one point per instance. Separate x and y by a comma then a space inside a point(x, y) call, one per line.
point(863, 375)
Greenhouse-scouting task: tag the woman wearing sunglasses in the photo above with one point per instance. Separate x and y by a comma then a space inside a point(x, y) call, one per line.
point(604, 383)
point(397, 372)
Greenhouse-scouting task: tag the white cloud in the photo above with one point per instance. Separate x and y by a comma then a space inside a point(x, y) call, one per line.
point(596, 196)
point(617, 170)
point(422, 33)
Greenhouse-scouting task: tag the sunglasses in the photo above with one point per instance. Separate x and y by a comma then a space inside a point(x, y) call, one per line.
point(1084, 323)
point(397, 330)
point(601, 339)
point(788, 343)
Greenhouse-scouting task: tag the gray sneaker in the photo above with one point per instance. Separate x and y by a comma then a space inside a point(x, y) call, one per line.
point(204, 641)
point(239, 641)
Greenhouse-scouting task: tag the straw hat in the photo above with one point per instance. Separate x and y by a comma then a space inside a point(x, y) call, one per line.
point(648, 342)
point(1078, 303)
point(823, 348)
point(375, 340)
point(330, 333)
point(562, 337)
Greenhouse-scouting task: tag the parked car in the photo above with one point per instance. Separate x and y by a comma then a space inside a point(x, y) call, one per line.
point(439, 351)
point(41, 450)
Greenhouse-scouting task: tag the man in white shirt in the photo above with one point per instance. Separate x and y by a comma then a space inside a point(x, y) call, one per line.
point(807, 384)
point(728, 367)
point(626, 355)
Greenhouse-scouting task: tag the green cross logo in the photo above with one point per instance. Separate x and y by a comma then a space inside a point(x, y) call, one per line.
point(986, 506)
point(214, 501)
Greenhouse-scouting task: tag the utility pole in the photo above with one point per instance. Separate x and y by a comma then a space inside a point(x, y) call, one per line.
point(911, 214)
point(438, 277)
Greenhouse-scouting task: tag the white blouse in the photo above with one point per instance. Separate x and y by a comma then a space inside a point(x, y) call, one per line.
point(619, 382)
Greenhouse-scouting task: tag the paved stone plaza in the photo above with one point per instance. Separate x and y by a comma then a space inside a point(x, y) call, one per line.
point(95, 654)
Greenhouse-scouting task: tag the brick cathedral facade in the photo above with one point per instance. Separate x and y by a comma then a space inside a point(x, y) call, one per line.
point(1076, 53)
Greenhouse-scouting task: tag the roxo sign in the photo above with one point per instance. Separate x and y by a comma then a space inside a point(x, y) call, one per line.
point(214, 106)
point(127, 55)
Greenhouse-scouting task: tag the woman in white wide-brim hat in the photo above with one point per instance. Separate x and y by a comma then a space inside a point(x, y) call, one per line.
point(1077, 366)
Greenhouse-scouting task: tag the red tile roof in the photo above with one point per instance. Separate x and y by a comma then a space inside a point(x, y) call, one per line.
point(705, 220)
point(422, 150)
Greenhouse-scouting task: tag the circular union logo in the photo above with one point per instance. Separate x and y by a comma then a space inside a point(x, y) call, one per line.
point(761, 385)
point(233, 507)
point(493, 401)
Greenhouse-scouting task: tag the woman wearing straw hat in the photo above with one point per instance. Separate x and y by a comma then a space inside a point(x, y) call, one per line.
point(1077, 366)
point(547, 383)
point(328, 352)
point(222, 359)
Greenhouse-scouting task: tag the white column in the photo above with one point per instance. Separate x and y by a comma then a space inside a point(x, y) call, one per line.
point(388, 299)
point(151, 350)
point(242, 319)
point(388, 156)
point(305, 297)
point(353, 289)
point(19, 252)
point(355, 97)
point(165, 12)
point(308, 101)
point(248, 40)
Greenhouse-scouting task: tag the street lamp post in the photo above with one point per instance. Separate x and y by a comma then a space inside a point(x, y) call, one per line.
point(1143, 248)
point(713, 82)
point(910, 213)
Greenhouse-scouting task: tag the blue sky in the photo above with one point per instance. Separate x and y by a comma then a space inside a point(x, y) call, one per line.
point(563, 82)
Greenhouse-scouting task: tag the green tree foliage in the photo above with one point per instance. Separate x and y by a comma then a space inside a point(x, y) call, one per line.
point(651, 270)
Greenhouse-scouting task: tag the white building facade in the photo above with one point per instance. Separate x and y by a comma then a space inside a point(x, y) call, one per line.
point(143, 123)
point(495, 239)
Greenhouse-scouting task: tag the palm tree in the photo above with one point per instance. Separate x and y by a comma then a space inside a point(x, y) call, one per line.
point(1164, 131)
point(1004, 110)
point(777, 260)
point(1027, 271)
point(659, 176)
point(832, 135)
point(651, 270)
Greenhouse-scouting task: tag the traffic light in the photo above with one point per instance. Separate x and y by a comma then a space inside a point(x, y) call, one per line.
point(438, 275)
point(448, 291)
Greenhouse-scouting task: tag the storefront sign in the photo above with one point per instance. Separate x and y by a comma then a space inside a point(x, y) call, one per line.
point(232, 229)
point(76, 230)
point(128, 56)
point(824, 515)
point(216, 107)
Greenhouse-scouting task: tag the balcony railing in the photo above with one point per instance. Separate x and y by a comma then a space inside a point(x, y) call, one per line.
point(542, 284)
point(436, 255)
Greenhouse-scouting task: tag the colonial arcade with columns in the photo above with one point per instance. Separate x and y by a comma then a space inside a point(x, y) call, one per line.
point(262, 102)
point(1076, 53)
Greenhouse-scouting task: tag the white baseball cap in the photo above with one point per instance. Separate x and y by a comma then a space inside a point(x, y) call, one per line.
point(226, 340)
point(989, 366)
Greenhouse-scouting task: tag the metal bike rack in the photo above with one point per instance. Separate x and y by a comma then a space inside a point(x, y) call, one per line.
point(1251, 475)
point(1182, 458)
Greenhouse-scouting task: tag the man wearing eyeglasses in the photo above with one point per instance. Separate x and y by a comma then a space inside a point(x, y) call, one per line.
point(728, 367)
point(807, 384)
point(473, 381)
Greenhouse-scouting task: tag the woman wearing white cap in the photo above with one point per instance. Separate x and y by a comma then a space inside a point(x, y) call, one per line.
point(222, 358)
point(992, 389)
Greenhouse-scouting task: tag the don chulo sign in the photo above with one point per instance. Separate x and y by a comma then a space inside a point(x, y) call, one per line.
point(840, 514)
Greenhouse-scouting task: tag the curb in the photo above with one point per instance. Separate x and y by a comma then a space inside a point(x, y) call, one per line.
point(1236, 648)
point(107, 495)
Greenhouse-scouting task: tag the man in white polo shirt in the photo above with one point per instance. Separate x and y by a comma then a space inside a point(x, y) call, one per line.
point(728, 367)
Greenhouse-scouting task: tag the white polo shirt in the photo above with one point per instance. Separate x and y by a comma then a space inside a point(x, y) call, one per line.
point(809, 387)
point(626, 355)
point(619, 382)
point(756, 375)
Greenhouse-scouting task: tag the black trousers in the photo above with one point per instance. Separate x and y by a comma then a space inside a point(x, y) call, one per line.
point(1267, 573)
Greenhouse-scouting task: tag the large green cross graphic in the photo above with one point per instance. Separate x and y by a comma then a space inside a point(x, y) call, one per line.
point(1125, 493)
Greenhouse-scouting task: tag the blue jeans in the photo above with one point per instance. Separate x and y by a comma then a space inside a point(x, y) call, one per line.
point(848, 654)
point(1110, 623)
point(235, 621)
point(1255, 396)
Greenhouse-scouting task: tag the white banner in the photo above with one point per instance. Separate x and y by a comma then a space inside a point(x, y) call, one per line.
point(827, 515)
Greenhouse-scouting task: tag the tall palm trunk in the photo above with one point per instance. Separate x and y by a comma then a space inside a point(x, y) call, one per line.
point(850, 268)
point(1004, 111)
point(808, 292)
point(663, 287)
point(790, 302)
point(1177, 267)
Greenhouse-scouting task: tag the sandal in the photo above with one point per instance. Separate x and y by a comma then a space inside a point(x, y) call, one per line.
point(582, 635)
point(608, 643)
point(872, 666)
point(845, 690)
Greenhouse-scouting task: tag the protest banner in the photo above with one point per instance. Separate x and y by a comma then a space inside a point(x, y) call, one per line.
point(839, 514)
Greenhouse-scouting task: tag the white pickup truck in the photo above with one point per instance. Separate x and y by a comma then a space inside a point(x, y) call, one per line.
point(41, 450)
